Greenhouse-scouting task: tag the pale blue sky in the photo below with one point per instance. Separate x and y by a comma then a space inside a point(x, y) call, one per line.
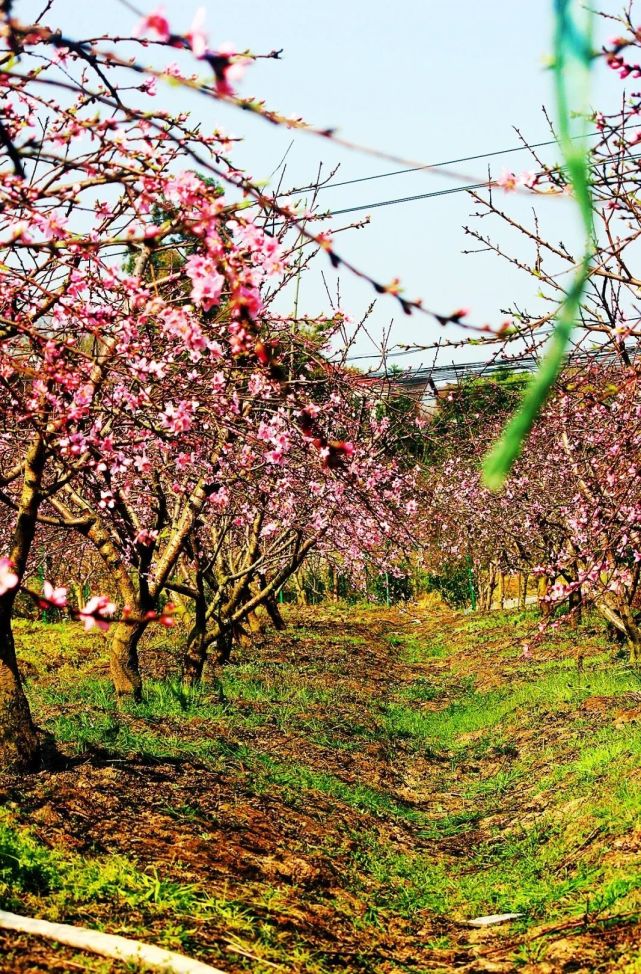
point(426, 79)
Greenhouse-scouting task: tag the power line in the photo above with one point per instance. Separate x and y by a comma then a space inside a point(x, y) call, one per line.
point(447, 162)
point(326, 214)
point(416, 351)
point(524, 362)
point(467, 188)
point(408, 199)
point(522, 336)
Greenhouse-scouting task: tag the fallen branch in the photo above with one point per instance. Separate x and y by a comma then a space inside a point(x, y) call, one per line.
point(106, 944)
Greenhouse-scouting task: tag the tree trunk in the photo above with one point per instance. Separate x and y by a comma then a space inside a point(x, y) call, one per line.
point(242, 634)
point(301, 594)
point(19, 747)
point(196, 652)
point(622, 618)
point(632, 633)
point(634, 643)
point(198, 645)
point(224, 644)
point(488, 592)
point(255, 625)
point(195, 656)
point(125, 669)
point(333, 583)
point(273, 611)
point(523, 578)
point(542, 590)
point(574, 606)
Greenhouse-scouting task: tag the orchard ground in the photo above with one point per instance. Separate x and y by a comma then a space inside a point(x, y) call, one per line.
point(357, 788)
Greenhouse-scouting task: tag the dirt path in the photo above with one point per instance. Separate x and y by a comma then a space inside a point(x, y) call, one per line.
point(347, 808)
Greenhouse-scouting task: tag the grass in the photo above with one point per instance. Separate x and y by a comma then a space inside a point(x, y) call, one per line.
point(109, 733)
point(414, 649)
point(473, 712)
point(69, 882)
point(282, 684)
point(295, 778)
point(420, 691)
point(29, 866)
point(530, 871)
point(533, 870)
point(468, 781)
point(119, 739)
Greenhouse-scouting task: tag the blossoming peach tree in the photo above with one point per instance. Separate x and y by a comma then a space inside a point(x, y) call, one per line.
point(571, 510)
point(570, 513)
point(146, 380)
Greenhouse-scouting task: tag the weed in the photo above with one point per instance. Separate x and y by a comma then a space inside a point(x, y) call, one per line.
point(532, 806)
point(449, 825)
point(295, 778)
point(25, 864)
point(420, 691)
point(415, 649)
point(495, 786)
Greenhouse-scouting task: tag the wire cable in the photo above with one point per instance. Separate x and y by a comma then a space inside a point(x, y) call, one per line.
point(447, 162)
point(468, 188)
point(522, 362)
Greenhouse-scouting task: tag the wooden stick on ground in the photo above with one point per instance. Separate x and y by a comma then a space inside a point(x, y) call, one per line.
point(106, 944)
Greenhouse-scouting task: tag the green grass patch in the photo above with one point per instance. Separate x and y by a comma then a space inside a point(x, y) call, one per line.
point(532, 872)
point(56, 883)
point(421, 691)
point(27, 866)
point(473, 712)
point(282, 684)
point(416, 649)
point(526, 796)
point(119, 738)
point(300, 778)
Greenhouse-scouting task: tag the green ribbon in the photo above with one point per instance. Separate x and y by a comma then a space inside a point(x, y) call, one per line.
point(573, 55)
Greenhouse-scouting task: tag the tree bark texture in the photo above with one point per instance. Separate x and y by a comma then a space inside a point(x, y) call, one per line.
point(124, 665)
point(19, 747)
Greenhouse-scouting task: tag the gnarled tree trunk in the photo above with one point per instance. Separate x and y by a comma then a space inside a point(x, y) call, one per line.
point(221, 638)
point(196, 652)
point(256, 627)
point(274, 613)
point(124, 665)
point(301, 594)
point(622, 618)
point(18, 739)
point(195, 657)
point(224, 644)
point(542, 590)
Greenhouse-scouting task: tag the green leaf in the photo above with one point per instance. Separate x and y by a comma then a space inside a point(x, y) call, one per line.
point(573, 55)
point(499, 461)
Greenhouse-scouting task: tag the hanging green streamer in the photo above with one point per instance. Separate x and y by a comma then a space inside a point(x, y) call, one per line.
point(573, 56)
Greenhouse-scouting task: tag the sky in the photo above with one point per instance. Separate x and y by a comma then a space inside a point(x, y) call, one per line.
point(422, 79)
